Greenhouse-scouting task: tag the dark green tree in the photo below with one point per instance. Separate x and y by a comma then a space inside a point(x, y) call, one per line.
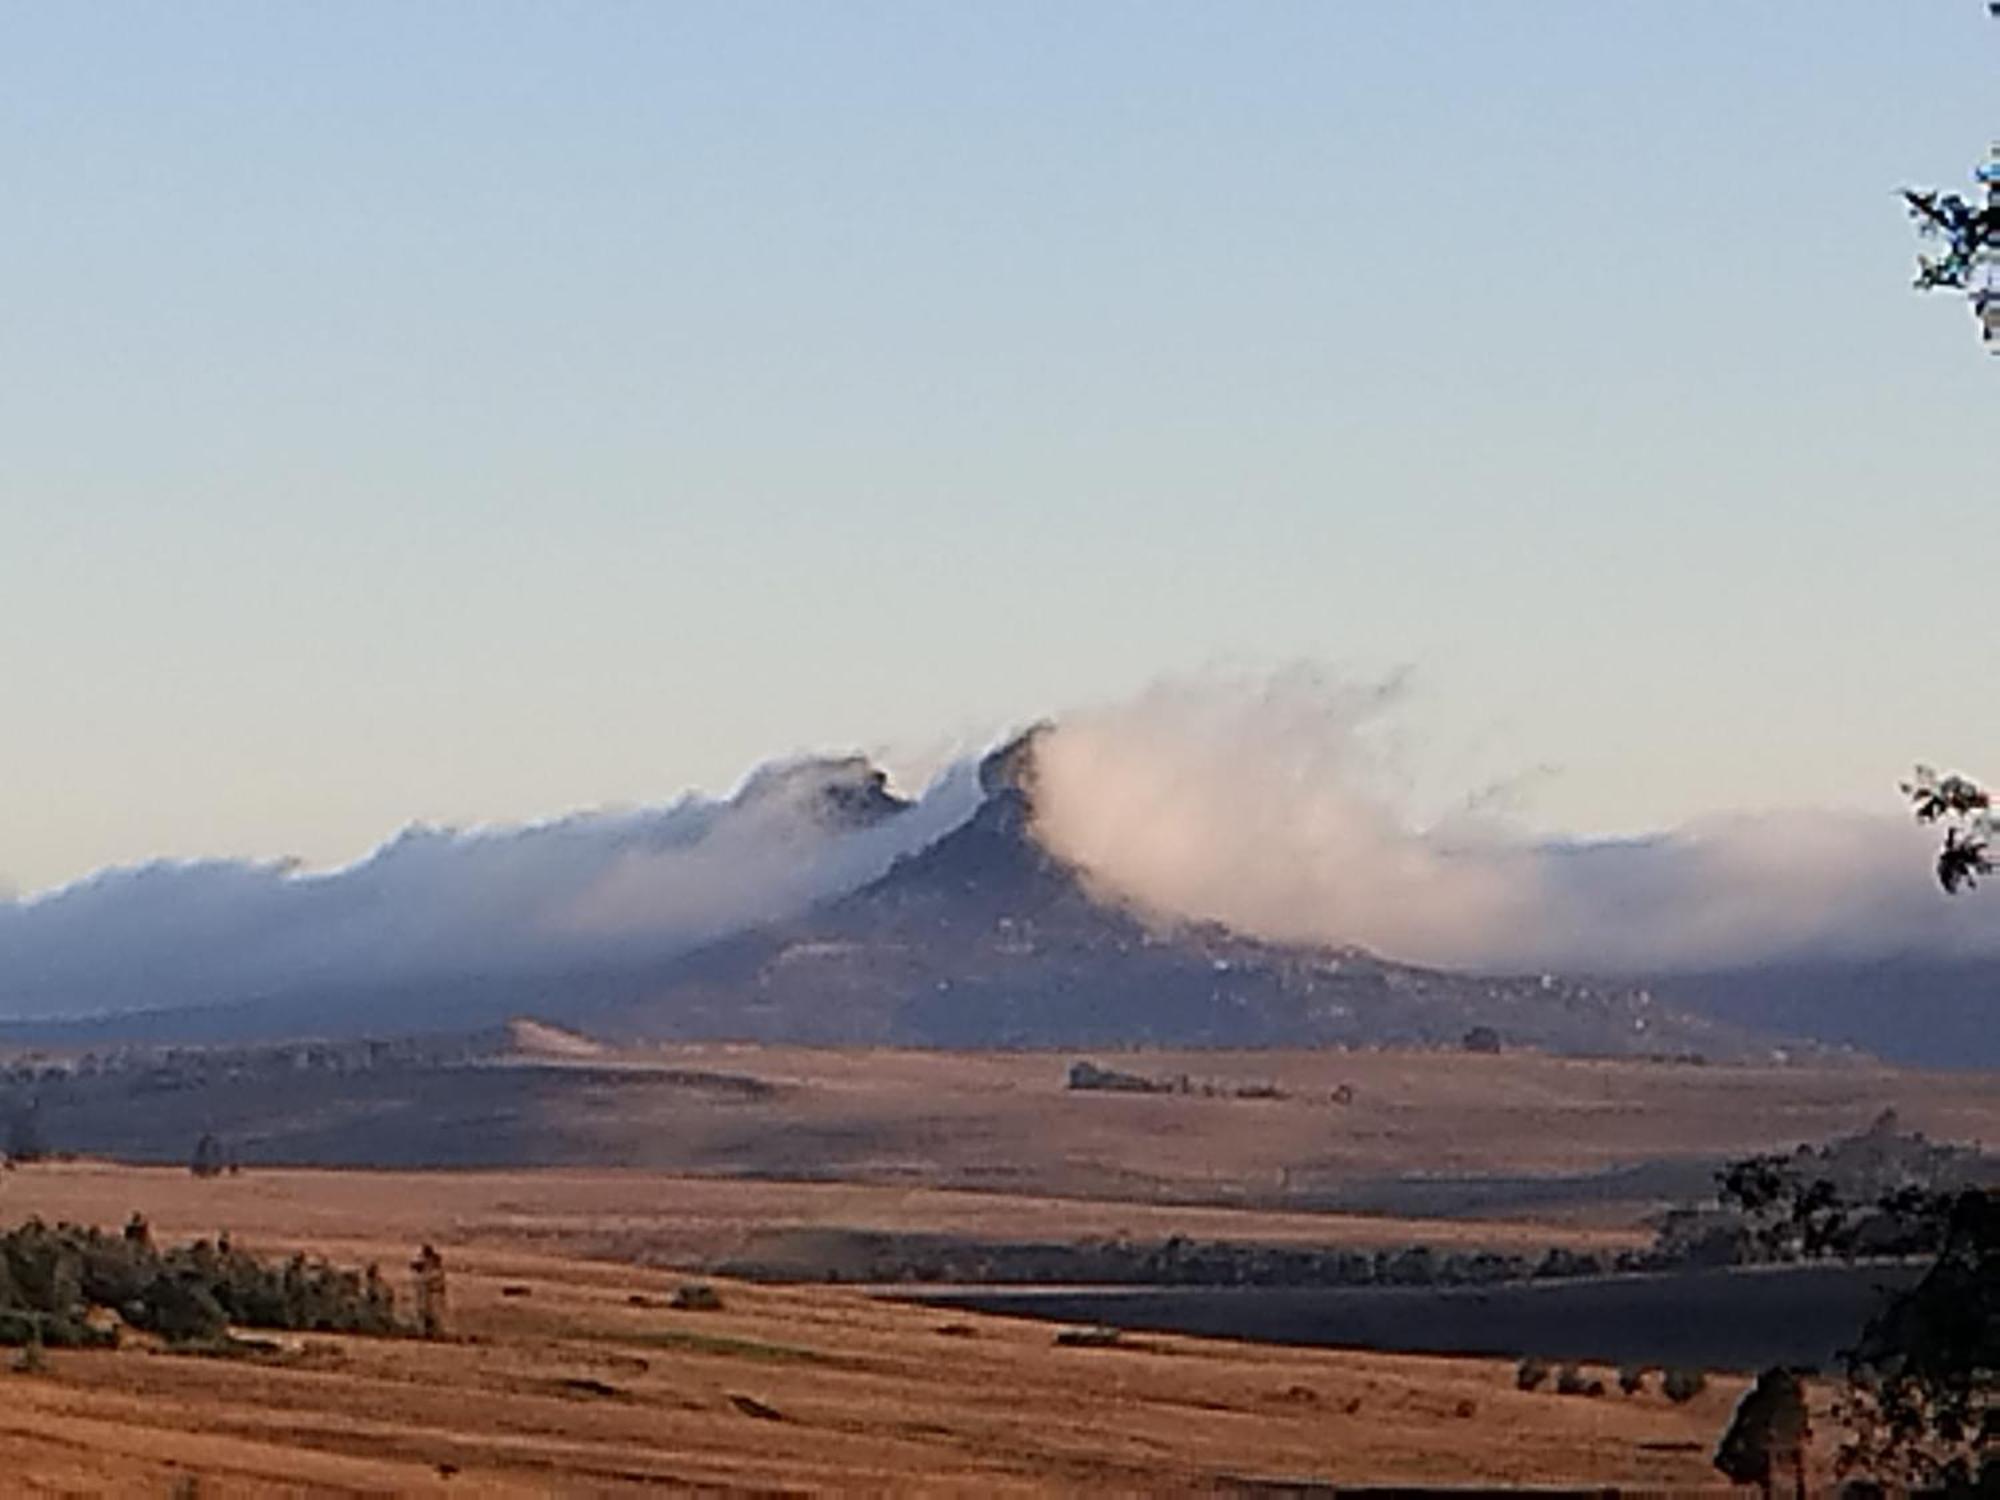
point(1922, 1404)
point(1966, 231)
point(1681, 1384)
point(207, 1159)
point(26, 1140)
point(1767, 1434)
point(1481, 1039)
point(180, 1308)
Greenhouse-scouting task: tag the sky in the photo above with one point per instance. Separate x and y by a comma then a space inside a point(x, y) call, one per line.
point(465, 413)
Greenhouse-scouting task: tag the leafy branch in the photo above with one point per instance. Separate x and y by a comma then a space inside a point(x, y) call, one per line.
point(1965, 809)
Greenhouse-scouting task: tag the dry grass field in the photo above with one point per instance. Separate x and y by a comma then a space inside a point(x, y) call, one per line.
point(644, 1218)
point(1596, 1141)
point(575, 1376)
point(970, 1143)
point(1006, 1122)
point(569, 1373)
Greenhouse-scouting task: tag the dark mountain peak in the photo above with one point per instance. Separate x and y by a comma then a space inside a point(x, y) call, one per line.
point(989, 868)
point(1010, 768)
point(841, 792)
point(1007, 782)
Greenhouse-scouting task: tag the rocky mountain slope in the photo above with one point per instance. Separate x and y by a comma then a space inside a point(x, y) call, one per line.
point(984, 939)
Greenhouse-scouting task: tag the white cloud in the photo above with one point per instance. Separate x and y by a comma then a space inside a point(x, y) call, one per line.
point(1270, 803)
point(445, 902)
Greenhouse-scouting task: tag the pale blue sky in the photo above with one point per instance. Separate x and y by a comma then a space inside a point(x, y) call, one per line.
point(473, 411)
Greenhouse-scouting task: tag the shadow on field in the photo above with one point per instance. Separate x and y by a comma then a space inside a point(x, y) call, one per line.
point(1723, 1319)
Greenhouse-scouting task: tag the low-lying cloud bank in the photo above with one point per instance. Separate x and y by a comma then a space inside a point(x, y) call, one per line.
point(1266, 803)
point(594, 888)
point(1269, 804)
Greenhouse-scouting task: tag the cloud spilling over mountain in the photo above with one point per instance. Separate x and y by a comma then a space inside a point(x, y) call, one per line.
point(594, 888)
point(1269, 804)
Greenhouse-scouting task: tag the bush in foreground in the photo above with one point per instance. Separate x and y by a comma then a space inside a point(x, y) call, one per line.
point(1570, 1381)
point(1681, 1385)
point(50, 1277)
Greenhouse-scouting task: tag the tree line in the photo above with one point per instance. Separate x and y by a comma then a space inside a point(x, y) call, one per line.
point(72, 1286)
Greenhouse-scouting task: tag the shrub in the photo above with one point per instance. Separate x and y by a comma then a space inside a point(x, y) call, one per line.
point(77, 1333)
point(1570, 1381)
point(696, 1296)
point(44, 1275)
point(48, 1277)
point(1530, 1373)
point(30, 1330)
point(207, 1159)
point(1681, 1384)
point(181, 1309)
point(1768, 1430)
point(1632, 1379)
point(19, 1329)
point(114, 1272)
point(1560, 1262)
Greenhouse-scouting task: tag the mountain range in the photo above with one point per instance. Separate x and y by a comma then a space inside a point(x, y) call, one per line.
point(981, 938)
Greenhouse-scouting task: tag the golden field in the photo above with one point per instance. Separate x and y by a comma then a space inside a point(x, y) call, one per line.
point(1005, 1122)
point(575, 1376)
point(568, 1372)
